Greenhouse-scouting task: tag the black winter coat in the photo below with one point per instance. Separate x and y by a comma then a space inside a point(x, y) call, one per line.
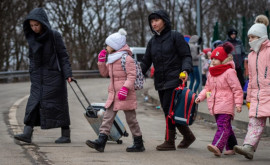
point(47, 105)
point(169, 53)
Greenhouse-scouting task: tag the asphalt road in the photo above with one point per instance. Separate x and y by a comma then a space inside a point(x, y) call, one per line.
point(45, 151)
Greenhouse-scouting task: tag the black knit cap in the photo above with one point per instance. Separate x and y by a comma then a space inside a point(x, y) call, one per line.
point(232, 31)
point(154, 16)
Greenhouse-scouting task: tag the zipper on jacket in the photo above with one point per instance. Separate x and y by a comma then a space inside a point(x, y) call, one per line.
point(265, 73)
point(258, 100)
point(114, 91)
point(214, 97)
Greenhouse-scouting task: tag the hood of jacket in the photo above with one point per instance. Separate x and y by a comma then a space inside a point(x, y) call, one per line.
point(165, 17)
point(37, 14)
point(125, 48)
point(229, 61)
point(194, 39)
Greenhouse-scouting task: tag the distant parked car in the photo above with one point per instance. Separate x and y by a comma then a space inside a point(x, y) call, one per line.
point(138, 53)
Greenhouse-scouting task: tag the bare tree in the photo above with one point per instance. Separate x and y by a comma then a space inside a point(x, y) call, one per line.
point(137, 24)
point(85, 24)
point(13, 47)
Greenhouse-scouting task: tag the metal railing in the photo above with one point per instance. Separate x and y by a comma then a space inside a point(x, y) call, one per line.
point(22, 75)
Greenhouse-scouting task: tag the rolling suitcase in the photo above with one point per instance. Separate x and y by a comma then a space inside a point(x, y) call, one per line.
point(183, 109)
point(94, 115)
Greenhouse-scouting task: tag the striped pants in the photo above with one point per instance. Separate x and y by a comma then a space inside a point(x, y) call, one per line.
point(224, 136)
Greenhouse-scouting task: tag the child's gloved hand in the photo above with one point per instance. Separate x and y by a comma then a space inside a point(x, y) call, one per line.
point(122, 94)
point(239, 109)
point(102, 56)
point(248, 105)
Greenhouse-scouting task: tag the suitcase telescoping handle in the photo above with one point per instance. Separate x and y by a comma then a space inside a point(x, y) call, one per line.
point(89, 104)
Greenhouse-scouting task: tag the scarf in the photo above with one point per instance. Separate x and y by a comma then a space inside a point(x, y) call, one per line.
point(256, 44)
point(115, 56)
point(219, 69)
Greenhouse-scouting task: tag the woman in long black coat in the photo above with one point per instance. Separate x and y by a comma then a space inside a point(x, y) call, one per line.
point(49, 69)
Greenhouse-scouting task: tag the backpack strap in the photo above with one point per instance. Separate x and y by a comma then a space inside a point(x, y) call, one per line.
point(173, 34)
point(171, 110)
point(123, 61)
point(186, 101)
point(190, 106)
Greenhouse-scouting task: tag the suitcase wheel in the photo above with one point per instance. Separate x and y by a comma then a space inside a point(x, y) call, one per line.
point(125, 134)
point(119, 141)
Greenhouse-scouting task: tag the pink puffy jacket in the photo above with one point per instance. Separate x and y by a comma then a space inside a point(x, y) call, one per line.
point(258, 92)
point(118, 79)
point(226, 92)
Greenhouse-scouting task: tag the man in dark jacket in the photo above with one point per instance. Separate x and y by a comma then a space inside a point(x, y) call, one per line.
point(49, 69)
point(238, 54)
point(168, 51)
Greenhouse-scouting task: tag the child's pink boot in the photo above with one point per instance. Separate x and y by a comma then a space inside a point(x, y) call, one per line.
point(214, 149)
point(229, 152)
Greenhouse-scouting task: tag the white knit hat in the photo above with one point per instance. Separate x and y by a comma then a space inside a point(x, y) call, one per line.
point(117, 40)
point(259, 29)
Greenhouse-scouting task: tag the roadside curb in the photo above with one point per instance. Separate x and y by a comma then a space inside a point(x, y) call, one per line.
point(15, 128)
point(206, 116)
point(14, 125)
point(237, 123)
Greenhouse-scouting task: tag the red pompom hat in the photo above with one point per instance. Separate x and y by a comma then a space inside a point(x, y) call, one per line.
point(206, 50)
point(222, 51)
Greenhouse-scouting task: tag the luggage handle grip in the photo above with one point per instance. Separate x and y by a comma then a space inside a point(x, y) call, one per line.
point(75, 81)
point(181, 86)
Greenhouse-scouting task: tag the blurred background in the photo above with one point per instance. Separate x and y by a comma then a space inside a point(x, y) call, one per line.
point(85, 24)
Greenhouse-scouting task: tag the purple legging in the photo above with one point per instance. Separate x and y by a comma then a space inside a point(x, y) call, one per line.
point(224, 135)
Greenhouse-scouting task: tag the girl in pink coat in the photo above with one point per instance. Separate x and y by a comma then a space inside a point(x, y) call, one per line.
point(223, 92)
point(122, 95)
point(259, 85)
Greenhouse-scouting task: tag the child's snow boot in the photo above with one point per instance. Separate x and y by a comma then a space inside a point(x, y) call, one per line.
point(137, 145)
point(98, 144)
point(214, 149)
point(246, 150)
point(229, 152)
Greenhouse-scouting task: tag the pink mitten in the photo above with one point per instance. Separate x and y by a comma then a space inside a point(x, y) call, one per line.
point(122, 94)
point(102, 56)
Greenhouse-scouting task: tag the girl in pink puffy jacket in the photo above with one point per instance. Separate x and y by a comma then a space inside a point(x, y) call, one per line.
point(259, 86)
point(223, 92)
point(122, 95)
